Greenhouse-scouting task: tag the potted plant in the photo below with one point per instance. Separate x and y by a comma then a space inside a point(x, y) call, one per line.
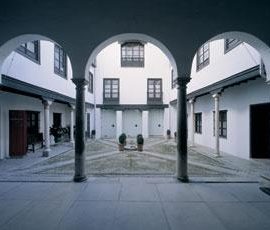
point(140, 142)
point(168, 134)
point(57, 133)
point(122, 141)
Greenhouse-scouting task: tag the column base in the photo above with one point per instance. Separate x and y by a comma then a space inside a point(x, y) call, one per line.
point(183, 179)
point(46, 152)
point(72, 143)
point(79, 178)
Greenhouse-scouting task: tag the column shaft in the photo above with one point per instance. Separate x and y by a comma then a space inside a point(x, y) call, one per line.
point(119, 123)
point(47, 149)
point(145, 129)
point(72, 107)
point(192, 101)
point(80, 131)
point(181, 164)
point(216, 98)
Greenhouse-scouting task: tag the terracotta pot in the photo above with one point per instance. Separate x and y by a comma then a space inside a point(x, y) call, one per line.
point(121, 147)
point(140, 147)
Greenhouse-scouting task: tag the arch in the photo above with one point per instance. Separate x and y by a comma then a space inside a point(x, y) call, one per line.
point(252, 40)
point(131, 36)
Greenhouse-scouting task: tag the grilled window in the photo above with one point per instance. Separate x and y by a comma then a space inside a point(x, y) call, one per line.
point(203, 56)
point(132, 54)
point(30, 50)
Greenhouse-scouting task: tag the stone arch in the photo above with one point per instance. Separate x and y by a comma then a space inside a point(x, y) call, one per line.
point(132, 36)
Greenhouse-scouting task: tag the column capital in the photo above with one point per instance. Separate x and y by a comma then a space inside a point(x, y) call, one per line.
point(182, 81)
point(47, 102)
point(192, 100)
point(72, 107)
point(79, 82)
point(216, 95)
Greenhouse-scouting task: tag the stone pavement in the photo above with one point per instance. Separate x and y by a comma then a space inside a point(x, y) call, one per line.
point(133, 203)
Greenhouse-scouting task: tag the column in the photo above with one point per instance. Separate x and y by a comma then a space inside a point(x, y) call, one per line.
point(192, 101)
point(80, 133)
point(72, 108)
point(216, 98)
point(145, 129)
point(119, 123)
point(47, 103)
point(181, 163)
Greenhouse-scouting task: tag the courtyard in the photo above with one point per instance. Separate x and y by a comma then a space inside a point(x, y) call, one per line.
point(157, 159)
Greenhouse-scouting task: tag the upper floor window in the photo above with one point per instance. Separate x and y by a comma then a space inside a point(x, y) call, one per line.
point(90, 83)
point(110, 90)
point(203, 56)
point(60, 61)
point(198, 122)
point(132, 54)
point(230, 43)
point(30, 50)
point(154, 90)
point(222, 123)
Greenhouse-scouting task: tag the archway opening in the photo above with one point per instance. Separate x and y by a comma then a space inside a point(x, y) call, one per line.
point(228, 90)
point(36, 97)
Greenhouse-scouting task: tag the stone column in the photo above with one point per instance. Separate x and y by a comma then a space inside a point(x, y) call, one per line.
point(192, 101)
point(80, 130)
point(72, 108)
point(181, 163)
point(119, 123)
point(145, 129)
point(216, 98)
point(47, 149)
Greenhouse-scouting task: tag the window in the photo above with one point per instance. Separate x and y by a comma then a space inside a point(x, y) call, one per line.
point(60, 61)
point(154, 90)
point(173, 80)
point(203, 56)
point(198, 122)
point(230, 43)
point(222, 123)
point(132, 54)
point(90, 83)
point(30, 50)
point(111, 90)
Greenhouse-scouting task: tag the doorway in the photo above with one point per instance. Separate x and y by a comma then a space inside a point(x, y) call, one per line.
point(57, 120)
point(260, 131)
point(17, 133)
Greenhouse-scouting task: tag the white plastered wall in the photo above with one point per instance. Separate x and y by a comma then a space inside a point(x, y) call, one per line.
point(236, 101)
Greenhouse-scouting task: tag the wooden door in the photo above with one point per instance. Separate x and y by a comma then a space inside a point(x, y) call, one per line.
point(17, 133)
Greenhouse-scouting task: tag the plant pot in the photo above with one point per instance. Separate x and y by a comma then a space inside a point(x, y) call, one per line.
point(121, 147)
point(140, 147)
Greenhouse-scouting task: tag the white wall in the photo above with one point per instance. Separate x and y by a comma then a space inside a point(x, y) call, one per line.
point(132, 81)
point(19, 67)
point(236, 101)
point(222, 65)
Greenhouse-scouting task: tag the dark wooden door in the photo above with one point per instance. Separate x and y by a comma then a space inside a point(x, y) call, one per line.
point(260, 131)
point(17, 133)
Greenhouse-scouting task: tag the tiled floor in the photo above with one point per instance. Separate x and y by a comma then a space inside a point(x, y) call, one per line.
point(133, 203)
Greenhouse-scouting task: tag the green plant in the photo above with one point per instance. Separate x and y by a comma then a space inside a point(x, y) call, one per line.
point(57, 133)
point(122, 138)
point(168, 132)
point(140, 139)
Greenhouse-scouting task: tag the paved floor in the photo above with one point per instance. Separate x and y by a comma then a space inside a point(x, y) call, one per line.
point(133, 203)
point(158, 158)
